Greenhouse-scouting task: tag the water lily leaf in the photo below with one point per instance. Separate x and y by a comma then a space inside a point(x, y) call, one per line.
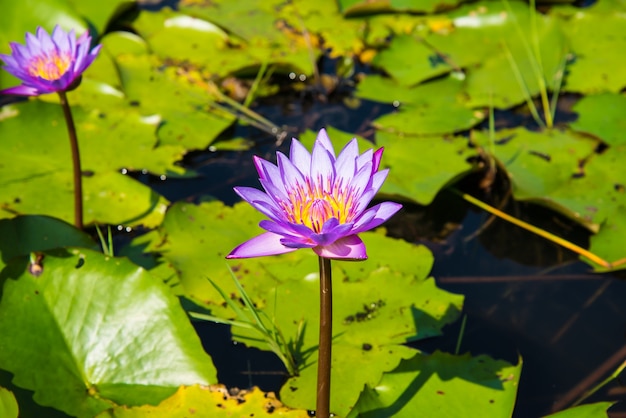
point(98, 14)
point(490, 40)
point(179, 98)
point(8, 404)
point(591, 32)
point(348, 375)
point(356, 7)
point(420, 167)
point(425, 63)
point(199, 39)
point(343, 37)
point(442, 384)
point(25, 234)
point(602, 116)
point(37, 175)
point(607, 243)
point(593, 410)
point(211, 402)
point(20, 17)
point(100, 319)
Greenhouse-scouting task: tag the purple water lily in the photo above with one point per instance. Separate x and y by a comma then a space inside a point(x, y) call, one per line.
point(48, 64)
point(317, 201)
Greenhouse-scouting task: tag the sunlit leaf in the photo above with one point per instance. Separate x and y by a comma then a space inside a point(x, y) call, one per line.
point(442, 384)
point(592, 34)
point(99, 319)
point(8, 404)
point(594, 410)
point(36, 171)
point(420, 167)
point(602, 115)
point(211, 402)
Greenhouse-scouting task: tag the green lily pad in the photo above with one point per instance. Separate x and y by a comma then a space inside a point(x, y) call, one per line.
point(100, 319)
point(594, 410)
point(20, 17)
point(37, 171)
point(98, 14)
point(439, 161)
point(8, 404)
point(602, 116)
point(357, 7)
point(504, 61)
point(211, 402)
point(180, 100)
point(442, 384)
point(427, 109)
point(595, 33)
point(25, 234)
point(424, 63)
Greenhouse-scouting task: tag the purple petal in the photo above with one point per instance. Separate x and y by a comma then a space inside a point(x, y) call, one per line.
point(364, 158)
point(276, 192)
point(261, 245)
point(324, 141)
point(332, 231)
point(290, 175)
point(286, 229)
point(346, 161)
point(378, 155)
point(299, 156)
point(375, 216)
point(361, 181)
point(265, 168)
point(62, 40)
point(322, 167)
point(347, 248)
point(252, 196)
point(23, 91)
point(378, 179)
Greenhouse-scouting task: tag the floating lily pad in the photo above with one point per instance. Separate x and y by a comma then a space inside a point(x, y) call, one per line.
point(355, 7)
point(602, 115)
point(424, 62)
point(595, 33)
point(20, 17)
point(36, 171)
point(8, 404)
point(594, 410)
point(420, 167)
point(179, 98)
point(100, 319)
point(442, 384)
point(214, 401)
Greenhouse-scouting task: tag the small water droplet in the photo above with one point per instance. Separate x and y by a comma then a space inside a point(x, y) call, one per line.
point(144, 171)
point(120, 227)
point(124, 171)
point(302, 77)
point(163, 177)
point(292, 76)
point(128, 229)
point(396, 103)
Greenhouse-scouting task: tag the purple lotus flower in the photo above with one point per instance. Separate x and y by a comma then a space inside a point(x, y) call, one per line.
point(48, 64)
point(317, 201)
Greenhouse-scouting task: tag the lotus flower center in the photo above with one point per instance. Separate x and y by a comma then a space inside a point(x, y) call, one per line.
point(50, 67)
point(312, 207)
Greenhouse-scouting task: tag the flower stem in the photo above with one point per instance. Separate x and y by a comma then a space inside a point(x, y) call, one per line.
point(322, 409)
point(78, 185)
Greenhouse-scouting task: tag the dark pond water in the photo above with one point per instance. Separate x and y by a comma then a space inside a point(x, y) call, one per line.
point(524, 296)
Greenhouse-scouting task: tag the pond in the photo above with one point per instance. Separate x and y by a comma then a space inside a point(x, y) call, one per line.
point(484, 109)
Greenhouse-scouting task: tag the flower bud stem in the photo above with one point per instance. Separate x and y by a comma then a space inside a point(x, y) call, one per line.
point(78, 186)
point(326, 334)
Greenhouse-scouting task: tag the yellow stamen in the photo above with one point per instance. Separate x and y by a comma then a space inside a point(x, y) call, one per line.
point(50, 67)
point(312, 206)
